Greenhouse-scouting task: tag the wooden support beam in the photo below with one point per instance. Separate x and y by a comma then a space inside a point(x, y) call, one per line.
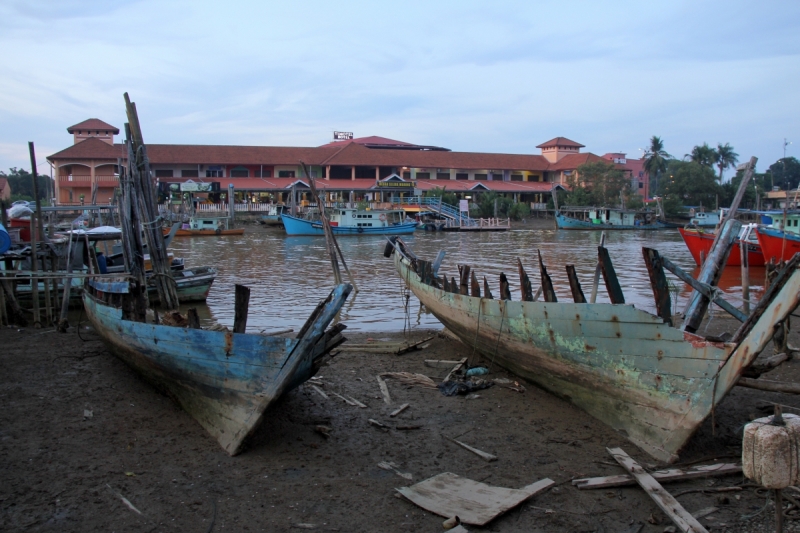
point(659, 284)
point(475, 288)
point(671, 507)
point(194, 318)
point(663, 476)
point(524, 283)
point(610, 276)
point(547, 283)
point(486, 292)
point(703, 288)
point(575, 285)
point(241, 306)
point(453, 285)
point(596, 279)
point(445, 284)
point(505, 290)
point(463, 286)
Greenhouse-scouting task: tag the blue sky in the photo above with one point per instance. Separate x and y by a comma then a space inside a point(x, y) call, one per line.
point(471, 76)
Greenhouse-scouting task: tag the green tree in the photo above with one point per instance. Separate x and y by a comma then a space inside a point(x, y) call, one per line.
point(690, 184)
point(441, 192)
point(21, 182)
point(486, 202)
point(519, 211)
point(655, 160)
point(604, 180)
point(703, 155)
point(578, 196)
point(784, 173)
point(726, 158)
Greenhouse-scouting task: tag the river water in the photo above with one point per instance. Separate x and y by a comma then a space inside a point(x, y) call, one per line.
point(287, 276)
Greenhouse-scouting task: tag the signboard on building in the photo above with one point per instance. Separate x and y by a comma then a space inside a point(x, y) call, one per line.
point(463, 206)
point(396, 184)
point(342, 135)
point(191, 186)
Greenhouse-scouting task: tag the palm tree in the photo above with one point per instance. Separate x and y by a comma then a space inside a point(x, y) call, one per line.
point(704, 155)
point(726, 158)
point(655, 158)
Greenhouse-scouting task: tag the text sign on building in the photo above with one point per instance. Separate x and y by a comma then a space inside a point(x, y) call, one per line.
point(191, 186)
point(342, 135)
point(463, 206)
point(396, 184)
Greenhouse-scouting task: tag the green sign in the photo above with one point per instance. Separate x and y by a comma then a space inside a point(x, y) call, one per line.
point(396, 184)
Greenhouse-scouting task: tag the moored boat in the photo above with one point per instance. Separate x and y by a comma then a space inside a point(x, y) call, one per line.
point(350, 221)
point(651, 382)
point(699, 243)
point(206, 227)
point(607, 218)
point(780, 240)
point(273, 215)
point(225, 380)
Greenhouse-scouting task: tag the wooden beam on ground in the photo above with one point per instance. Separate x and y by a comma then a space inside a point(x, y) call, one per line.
point(384, 391)
point(398, 410)
point(575, 285)
point(662, 476)
point(440, 363)
point(610, 276)
point(483, 455)
point(455, 369)
point(671, 507)
point(547, 283)
point(524, 283)
point(659, 284)
point(771, 386)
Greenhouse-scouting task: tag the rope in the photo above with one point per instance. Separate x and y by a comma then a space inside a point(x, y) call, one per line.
point(499, 334)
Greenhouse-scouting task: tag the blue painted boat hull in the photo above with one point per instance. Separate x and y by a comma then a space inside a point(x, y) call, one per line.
point(299, 226)
point(225, 380)
point(565, 222)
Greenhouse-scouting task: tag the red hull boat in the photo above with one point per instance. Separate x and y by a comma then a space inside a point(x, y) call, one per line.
point(699, 244)
point(777, 245)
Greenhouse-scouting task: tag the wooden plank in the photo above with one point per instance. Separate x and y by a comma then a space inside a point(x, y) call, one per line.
point(524, 283)
point(483, 455)
point(662, 476)
point(475, 289)
point(438, 263)
point(453, 285)
point(597, 269)
point(440, 363)
point(505, 291)
point(772, 386)
point(319, 391)
point(659, 284)
point(671, 507)
point(575, 285)
point(486, 292)
point(384, 391)
point(463, 286)
point(416, 345)
point(194, 318)
point(398, 410)
point(547, 283)
point(610, 276)
point(241, 308)
point(455, 369)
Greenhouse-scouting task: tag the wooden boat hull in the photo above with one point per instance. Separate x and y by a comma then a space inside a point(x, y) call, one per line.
point(271, 220)
point(775, 247)
point(699, 244)
point(205, 232)
point(565, 222)
point(299, 226)
point(224, 380)
point(650, 382)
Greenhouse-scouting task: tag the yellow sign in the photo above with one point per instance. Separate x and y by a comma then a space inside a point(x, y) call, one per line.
point(397, 184)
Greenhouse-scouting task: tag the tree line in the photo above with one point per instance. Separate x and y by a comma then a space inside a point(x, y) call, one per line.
point(21, 182)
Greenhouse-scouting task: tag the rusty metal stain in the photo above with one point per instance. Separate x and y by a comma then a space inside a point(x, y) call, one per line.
point(228, 343)
point(589, 347)
point(660, 354)
point(614, 318)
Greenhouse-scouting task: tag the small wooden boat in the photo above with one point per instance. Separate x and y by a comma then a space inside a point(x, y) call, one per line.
point(649, 381)
point(699, 244)
point(206, 227)
point(606, 218)
point(225, 380)
point(350, 221)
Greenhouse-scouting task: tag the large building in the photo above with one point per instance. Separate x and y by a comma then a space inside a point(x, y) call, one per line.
point(353, 169)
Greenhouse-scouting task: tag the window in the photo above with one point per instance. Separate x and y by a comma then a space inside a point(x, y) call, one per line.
point(185, 173)
point(286, 173)
point(423, 175)
point(406, 175)
point(266, 173)
point(480, 177)
point(641, 185)
point(164, 173)
point(214, 173)
point(516, 177)
point(462, 176)
point(442, 175)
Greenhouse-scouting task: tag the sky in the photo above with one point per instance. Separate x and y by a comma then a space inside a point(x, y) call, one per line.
point(470, 76)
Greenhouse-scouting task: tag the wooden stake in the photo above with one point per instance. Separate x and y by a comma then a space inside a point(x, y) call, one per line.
point(597, 271)
point(745, 276)
point(486, 292)
point(241, 306)
point(524, 283)
point(547, 283)
point(575, 285)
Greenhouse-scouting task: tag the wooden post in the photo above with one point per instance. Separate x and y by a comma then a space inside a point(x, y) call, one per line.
point(241, 306)
point(463, 284)
point(575, 285)
point(505, 291)
point(194, 318)
point(486, 292)
point(659, 284)
point(610, 276)
point(475, 288)
point(524, 283)
point(596, 281)
point(547, 283)
point(37, 319)
point(745, 275)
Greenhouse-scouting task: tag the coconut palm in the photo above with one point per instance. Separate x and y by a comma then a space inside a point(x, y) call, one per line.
point(726, 158)
point(655, 158)
point(704, 155)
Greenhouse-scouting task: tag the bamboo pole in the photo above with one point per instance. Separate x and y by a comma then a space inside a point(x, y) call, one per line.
point(745, 275)
point(37, 318)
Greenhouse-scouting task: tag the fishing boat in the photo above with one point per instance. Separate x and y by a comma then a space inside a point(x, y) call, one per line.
point(651, 382)
point(225, 380)
point(780, 240)
point(703, 219)
point(206, 227)
point(352, 221)
point(607, 218)
point(699, 244)
point(273, 215)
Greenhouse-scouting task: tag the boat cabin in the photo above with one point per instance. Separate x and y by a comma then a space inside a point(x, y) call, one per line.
point(363, 218)
point(701, 218)
point(616, 217)
point(791, 224)
point(209, 223)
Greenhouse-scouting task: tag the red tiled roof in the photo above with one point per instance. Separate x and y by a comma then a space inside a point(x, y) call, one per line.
point(234, 155)
point(374, 140)
point(91, 148)
point(573, 161)
point(93, 124)
point(560, 141)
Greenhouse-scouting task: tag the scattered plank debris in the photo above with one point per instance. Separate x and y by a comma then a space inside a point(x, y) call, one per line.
point(399, 410)
point(349, 401)
point(483, 455)
point(662, 476)
point(392, 467)
point(319, 391)
point(397, 348)
point(384, 391)
point(473, 502)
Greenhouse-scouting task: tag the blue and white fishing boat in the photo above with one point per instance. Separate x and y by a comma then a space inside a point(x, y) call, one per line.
point(601, 218)
point(351, 221)
point(273, 215)
point(225, 380)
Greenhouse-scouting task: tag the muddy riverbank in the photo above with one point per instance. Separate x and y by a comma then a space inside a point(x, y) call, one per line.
point(79, 430)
